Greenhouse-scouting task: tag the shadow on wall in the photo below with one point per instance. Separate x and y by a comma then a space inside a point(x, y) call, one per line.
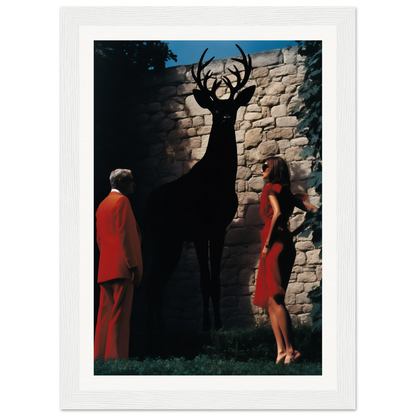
point(175, 131)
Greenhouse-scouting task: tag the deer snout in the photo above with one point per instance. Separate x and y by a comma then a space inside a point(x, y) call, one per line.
point(226, 118)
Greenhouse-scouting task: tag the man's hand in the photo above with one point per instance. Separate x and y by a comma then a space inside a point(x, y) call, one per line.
point(135, 276)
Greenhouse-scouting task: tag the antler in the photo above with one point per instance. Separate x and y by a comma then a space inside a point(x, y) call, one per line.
point(197, 78)
point(247, 70)
point(240, 82)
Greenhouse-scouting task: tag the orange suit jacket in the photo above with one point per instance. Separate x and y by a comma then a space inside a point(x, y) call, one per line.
point(118, 238)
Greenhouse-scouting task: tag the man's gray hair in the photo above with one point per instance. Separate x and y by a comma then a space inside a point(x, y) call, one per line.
point(116, 174)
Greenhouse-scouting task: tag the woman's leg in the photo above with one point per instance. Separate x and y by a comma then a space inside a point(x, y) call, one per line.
point(285, 325)
point(281, 346)
point(282, 270)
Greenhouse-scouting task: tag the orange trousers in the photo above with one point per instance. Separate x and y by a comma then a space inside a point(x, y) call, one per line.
point(112, 332)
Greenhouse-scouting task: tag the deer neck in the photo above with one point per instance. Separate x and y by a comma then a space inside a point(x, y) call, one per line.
point(222, 142)
point(221, 156)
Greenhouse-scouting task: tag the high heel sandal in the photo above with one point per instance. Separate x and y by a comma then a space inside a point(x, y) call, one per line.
point(294, 358)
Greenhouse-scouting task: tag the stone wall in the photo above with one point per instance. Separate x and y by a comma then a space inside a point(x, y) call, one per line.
point(174, 131)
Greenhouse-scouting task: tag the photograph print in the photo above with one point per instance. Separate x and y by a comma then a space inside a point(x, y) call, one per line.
point(208, 207)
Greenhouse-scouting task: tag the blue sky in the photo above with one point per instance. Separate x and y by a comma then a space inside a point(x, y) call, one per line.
point(189, 52)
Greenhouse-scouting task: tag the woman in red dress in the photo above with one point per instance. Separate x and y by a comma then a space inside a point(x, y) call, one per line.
point(278, 253)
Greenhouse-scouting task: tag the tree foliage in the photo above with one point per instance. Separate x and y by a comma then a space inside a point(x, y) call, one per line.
point(131, 59)
point(118, 66)
point(309, 114)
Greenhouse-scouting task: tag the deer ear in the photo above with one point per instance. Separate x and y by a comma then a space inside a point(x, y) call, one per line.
point(202, 99)
point(245, 96)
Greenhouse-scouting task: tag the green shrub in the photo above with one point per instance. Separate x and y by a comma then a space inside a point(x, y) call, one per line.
point(315, 296)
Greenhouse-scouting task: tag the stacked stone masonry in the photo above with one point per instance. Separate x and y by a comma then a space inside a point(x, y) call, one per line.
point(175, 132)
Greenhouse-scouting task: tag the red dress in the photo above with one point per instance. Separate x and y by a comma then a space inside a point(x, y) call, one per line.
point(274, 271)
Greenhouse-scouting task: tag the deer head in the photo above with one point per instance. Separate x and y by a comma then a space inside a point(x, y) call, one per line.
point(223, 111)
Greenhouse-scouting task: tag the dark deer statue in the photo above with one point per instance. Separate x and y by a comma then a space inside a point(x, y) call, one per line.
point(201, 204)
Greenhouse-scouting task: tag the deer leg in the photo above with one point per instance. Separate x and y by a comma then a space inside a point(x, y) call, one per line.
point(216, 249)
point(150, 297)
point(166, 256)
point(201, 248)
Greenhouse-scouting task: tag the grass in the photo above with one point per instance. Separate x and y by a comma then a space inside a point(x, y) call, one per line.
point(202, 365)
point(225, 352)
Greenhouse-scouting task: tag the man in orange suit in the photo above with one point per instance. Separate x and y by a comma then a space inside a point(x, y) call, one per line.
point(120, 267)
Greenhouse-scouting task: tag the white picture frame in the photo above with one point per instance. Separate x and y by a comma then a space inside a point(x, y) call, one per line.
point(109, 392)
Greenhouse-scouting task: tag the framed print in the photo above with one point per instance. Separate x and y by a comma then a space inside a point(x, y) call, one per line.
point(196, 140)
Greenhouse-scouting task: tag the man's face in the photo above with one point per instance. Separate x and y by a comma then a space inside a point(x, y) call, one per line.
point(127, 184)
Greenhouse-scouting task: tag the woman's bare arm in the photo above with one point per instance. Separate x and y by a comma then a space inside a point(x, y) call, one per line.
point(305, 206)
point(300, 203)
